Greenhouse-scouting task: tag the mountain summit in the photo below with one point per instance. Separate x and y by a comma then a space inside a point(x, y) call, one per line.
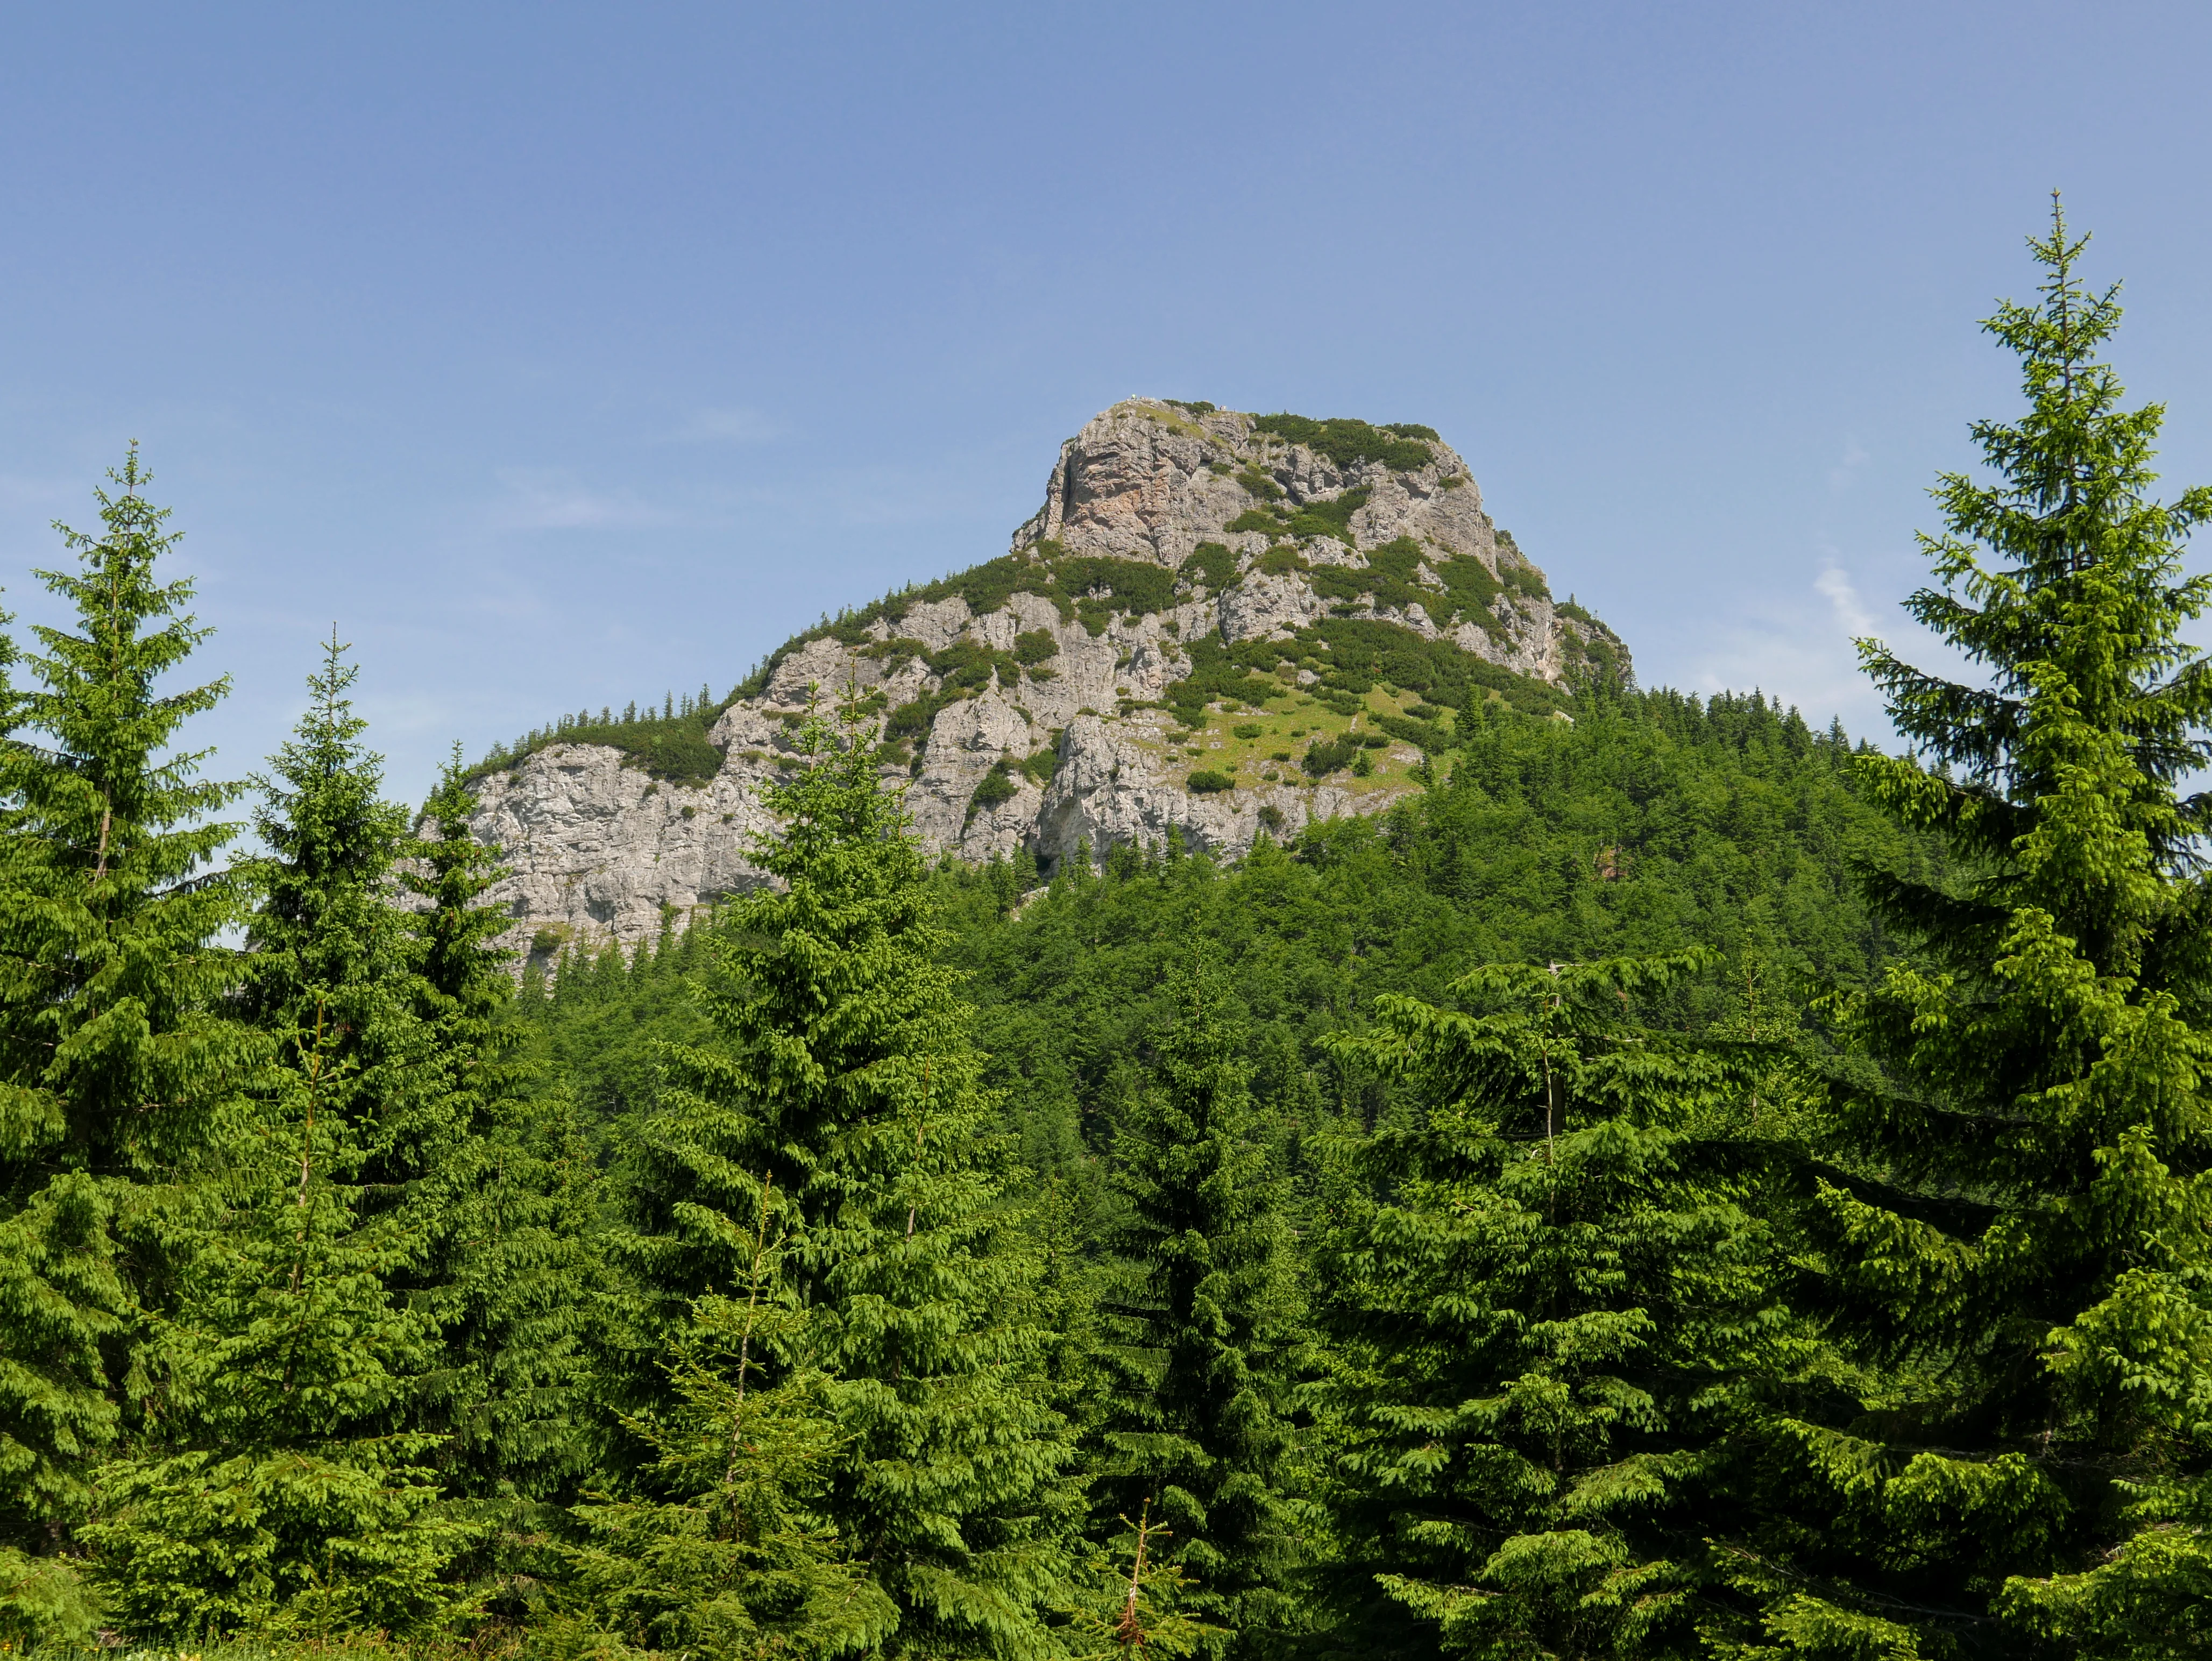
point(1218, 624)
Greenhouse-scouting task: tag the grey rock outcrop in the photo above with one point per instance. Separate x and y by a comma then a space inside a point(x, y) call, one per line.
point(1053, 690)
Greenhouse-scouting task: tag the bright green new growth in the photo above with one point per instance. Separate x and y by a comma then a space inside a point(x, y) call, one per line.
point(117, 1062)
point(2022, 1250)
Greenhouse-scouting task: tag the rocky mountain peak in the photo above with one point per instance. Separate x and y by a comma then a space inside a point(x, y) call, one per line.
point(1218, 624)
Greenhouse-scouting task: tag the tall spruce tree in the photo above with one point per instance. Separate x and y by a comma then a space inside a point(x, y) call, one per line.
point(330, 950)
point(844, 1079)
point(511, 1265)
point(2018, 1253)
point(263, 1490)
point(119, 1060)
point(1544, 1303)
point(1198, 1428)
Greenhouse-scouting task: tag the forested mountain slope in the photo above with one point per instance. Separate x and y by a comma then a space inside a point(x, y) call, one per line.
point(1650, 823)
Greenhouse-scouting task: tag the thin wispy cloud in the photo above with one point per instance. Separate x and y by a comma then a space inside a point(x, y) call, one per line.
point(543, 500)
point(1834, 585)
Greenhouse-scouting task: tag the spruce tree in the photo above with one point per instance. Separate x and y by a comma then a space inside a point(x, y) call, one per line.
point(1543, 1300)
point(261, 1488)
point(2016, 1253)
point(1198, 1423)
point(844, 1079)
point(331, 951)
point(513, 1271)
point(119, 1060)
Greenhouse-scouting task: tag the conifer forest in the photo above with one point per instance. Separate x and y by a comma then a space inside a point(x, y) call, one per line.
point(1785, 1233)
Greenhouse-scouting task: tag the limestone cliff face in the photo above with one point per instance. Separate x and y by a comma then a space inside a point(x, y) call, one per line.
point(1044, 702)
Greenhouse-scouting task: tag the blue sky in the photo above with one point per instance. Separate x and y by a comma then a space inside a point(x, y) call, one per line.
point(566, 353)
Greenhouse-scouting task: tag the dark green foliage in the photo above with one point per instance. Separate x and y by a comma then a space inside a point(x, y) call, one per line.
point(713, 1549)
point(1206, 782)
point(1352, 587)
point(330, 951)
point(1034, 646)
point(1361, 654)
point(994, 787)
point(1041, 766)
point(1733, 826)
point(1427, 735)
point(266, 1496)
point(966, 666)
point(1390, 581)
point(1259, 484)
point(1472, 590)
point(1323, 757)
point(61, 1301)
point(670, 746)
point(1215, 565)
point(1524, 579)
point(1280, 560)
point(478, 1181)
point(1219, 671)
point(2016, 1256)
point(509, 1192)
point(1331, 517)
point(1325, 517)
point(118, 1060)
point(1355, 655)
point(1349, 443)
point(1198, 1428)
point(912, 720)
point(1540, 1296)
